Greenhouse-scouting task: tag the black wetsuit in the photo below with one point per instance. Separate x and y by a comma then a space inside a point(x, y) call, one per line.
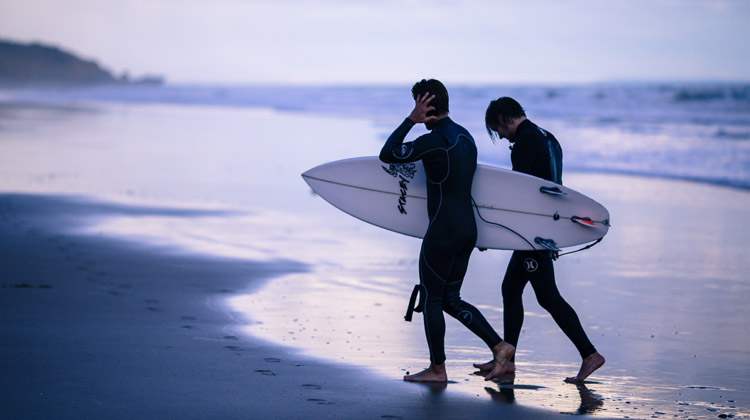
point(537, 152)
point(449, 156)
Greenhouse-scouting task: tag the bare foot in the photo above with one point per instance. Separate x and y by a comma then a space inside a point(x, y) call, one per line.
point(485, 367)
point(589, 365)
point(502, 353)
point(434, 373)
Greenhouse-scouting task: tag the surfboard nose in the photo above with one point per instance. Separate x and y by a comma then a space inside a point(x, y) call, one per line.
point(311, 175)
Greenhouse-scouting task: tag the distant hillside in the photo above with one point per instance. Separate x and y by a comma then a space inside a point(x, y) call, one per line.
point(37, 65)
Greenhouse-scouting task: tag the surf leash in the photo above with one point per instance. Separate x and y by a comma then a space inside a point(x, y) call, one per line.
point(526, 240)
point(582, 249)
point(501, 225)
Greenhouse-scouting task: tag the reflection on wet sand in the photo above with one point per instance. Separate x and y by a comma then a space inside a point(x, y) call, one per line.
point(505, 392)
point(435, 388)
point(590, 401)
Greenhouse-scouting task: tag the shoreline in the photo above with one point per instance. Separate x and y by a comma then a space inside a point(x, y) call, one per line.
point(262, 98)
point(95, 327)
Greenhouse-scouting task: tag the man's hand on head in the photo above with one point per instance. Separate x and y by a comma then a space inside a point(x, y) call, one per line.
point(421, 108)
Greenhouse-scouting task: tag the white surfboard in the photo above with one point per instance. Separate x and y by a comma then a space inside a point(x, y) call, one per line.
point(513, 210)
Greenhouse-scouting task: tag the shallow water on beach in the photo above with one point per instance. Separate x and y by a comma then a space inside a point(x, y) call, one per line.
point(663, 297)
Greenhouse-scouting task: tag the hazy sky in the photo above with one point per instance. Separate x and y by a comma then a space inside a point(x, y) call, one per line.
point(329, 41)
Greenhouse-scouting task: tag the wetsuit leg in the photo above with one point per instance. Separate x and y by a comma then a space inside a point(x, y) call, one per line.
point(513, 284)
point(442, 268)
point(541, 274)
point(432, 313)
point(463, 311)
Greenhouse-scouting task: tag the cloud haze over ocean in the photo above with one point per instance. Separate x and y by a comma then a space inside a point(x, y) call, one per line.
point(336, 41)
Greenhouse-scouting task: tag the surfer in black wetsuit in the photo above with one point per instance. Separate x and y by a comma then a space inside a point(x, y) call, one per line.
point(449, 156)
point(536, 152)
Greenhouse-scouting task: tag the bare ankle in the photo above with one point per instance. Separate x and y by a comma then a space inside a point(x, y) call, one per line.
point(503, 350)
point(437, 369)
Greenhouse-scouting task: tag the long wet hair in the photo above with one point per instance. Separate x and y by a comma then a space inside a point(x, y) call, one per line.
point(434, 87)
point(501, 111)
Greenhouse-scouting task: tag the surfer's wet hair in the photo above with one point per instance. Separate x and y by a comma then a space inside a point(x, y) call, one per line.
point(434, 87)
point(501, 111)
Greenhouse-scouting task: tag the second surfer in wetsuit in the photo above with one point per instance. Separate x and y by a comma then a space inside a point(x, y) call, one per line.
point(535, 152)
point(449, 156)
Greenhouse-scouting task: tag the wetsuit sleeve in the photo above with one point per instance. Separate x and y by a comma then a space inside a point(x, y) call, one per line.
point(396, 151)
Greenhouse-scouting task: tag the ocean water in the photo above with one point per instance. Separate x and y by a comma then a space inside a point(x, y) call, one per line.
point(698, 131)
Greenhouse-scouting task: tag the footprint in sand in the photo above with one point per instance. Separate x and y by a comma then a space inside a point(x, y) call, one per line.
point(272, 360)
point(29, 286)
point(120, 287)
point(153, 308)
point(265, 372)
point(312, 386)
point(319, 401)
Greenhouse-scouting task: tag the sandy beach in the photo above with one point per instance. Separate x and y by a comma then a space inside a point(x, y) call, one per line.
point(94, 327)
point(167, 261)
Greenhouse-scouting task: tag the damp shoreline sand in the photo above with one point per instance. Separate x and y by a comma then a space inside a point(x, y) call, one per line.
point(661, 297)
point(94, 327)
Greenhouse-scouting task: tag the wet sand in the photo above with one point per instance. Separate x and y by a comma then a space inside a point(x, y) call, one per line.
point(155, 263)
point(96, 327)
point(662, 297)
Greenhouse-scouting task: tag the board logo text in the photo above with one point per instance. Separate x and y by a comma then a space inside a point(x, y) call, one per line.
point(402, 171)
point(402, 199)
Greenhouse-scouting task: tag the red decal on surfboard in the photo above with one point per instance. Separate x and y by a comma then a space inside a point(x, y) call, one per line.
point(583, 221)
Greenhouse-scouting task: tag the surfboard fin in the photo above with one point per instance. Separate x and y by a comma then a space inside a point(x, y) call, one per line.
point(585, 221)
point(552, 191)
point(547, 243)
